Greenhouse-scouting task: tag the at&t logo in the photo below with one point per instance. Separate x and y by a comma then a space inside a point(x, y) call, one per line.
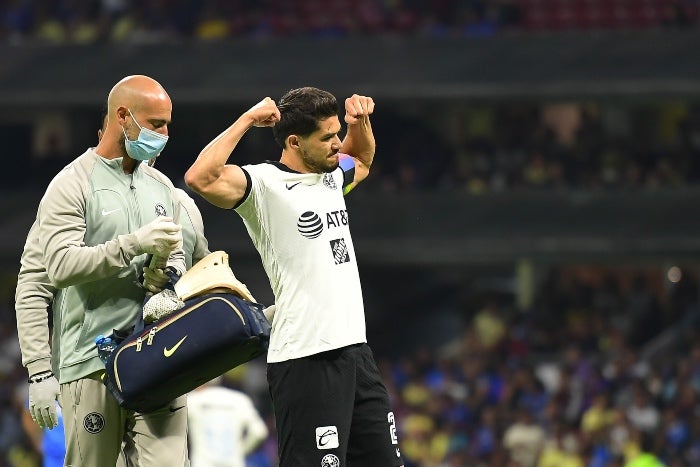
point(309, 224)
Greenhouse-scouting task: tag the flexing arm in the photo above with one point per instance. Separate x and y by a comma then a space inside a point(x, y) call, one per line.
point(223, 184)
point(359, 140)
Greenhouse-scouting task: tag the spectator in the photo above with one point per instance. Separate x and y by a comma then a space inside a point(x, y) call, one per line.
point(524, 439)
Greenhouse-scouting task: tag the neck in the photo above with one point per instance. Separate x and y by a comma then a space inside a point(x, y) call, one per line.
point(293, 162)
point(129, 164)
point(114, 150)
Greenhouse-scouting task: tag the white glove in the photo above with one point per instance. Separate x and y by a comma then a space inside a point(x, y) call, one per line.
point(154, 279)
point(42, 400)
point(159, 237)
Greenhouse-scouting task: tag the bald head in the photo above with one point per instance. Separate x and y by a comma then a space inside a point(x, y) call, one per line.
point(135, 102)
point(137, 92)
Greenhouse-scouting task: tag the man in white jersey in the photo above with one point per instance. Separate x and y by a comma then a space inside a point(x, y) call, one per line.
point(331, 407)
point(223, 426)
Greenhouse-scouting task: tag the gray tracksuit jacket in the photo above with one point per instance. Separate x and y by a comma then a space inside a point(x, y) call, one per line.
point(86, 221)
point(35, 292)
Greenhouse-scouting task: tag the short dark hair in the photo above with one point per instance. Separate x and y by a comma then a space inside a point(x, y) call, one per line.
point(300, 111)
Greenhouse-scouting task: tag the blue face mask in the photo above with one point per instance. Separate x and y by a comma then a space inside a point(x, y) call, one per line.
point(148, 144)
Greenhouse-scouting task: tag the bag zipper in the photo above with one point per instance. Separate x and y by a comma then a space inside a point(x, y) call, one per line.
point(165, 323)
point(151, 335)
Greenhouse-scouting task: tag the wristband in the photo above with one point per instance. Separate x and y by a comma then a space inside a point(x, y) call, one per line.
point(39, 377)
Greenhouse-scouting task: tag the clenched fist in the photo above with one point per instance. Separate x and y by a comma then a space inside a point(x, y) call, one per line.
point(264, 113)
point(358, 107)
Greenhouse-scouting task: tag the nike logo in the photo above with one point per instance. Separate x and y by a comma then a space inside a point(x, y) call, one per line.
point(107, 213)
point(289, 187)
point(168, 352)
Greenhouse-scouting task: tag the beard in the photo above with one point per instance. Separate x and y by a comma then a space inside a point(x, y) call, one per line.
point(122, 145)
point(317, 165)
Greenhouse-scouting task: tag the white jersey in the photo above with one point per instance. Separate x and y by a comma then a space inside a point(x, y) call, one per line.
point(223, 427)
point(299, 225)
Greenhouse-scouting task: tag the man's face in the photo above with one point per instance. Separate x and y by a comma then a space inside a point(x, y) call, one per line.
point(153, 117)
point(319, 150)
point(156, 119)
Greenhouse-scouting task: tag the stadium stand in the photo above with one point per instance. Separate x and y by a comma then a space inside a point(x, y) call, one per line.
point(590, 362)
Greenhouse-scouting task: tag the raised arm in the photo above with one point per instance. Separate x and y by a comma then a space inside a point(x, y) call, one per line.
point(359, 140)
point(223, 184)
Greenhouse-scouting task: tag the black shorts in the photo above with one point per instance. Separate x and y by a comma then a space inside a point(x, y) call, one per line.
point(332, 410)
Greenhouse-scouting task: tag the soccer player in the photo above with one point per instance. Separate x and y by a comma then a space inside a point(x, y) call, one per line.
point(331, 407)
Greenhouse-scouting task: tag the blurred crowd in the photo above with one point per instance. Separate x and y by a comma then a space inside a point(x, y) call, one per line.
point(590, 375)
point(566, 145)
point(600, 369)
point(160, 21)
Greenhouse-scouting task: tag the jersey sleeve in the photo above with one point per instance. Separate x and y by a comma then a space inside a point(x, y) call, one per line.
point(255, 185)
point(248, 186)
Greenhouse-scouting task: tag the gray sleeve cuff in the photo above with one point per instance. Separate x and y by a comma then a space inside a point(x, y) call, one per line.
point(37, 366)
